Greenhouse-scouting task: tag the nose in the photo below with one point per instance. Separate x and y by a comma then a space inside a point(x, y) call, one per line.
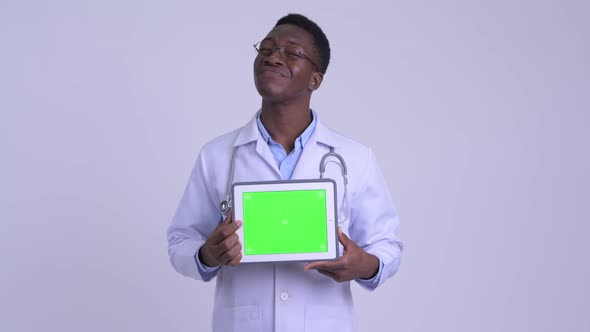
point(275, 58)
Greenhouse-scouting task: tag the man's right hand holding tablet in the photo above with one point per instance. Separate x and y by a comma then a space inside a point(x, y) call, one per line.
point(223, 246)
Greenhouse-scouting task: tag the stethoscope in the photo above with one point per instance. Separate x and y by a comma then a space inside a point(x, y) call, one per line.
point(226, 204)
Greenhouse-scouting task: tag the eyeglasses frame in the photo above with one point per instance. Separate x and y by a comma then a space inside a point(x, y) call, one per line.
point(281, 50)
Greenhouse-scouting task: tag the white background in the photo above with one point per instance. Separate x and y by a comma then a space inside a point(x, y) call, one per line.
point(478, 112)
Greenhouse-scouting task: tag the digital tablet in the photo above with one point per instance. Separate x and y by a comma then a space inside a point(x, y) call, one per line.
point(286, 220)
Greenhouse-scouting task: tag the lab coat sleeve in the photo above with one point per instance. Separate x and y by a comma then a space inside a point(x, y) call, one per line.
point(374, 223)
point(373, 282)
point(206, 272)
point(195, 219)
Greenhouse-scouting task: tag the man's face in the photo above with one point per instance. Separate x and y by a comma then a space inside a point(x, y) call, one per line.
point(279, 78)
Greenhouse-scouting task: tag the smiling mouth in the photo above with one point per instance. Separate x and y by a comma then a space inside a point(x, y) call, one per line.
point(272, 72)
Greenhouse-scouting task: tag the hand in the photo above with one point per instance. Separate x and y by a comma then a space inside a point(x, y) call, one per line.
point(353, 264)
point(222, 246)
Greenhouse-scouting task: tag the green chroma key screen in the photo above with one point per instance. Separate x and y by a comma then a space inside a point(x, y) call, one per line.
point(285, 222)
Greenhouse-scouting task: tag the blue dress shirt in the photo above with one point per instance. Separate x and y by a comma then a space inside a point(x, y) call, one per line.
point(286, 162)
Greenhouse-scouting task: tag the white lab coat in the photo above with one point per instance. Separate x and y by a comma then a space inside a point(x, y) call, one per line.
point(283, 297)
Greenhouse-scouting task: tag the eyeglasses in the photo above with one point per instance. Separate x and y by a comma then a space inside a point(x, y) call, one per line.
point(289, 52)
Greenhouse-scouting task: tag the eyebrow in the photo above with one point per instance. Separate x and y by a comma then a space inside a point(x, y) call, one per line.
point(288, 41)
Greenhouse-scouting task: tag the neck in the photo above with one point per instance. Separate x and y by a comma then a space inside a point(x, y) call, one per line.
point(285, 122)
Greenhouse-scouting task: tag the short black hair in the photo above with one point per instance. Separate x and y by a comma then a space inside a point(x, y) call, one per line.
point(320, 40)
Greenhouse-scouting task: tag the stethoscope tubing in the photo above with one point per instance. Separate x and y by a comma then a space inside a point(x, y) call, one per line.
point(226, 204)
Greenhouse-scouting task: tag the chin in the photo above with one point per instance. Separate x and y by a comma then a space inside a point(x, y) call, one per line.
point(269, 92)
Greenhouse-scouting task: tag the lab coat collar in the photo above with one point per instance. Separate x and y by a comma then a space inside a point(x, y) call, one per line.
point(322, 134)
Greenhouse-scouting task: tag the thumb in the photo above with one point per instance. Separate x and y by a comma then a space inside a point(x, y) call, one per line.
point(229, 218)
point(345, 240)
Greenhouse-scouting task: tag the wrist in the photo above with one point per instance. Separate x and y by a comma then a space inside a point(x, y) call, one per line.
point(202, 256)
point(372, 267)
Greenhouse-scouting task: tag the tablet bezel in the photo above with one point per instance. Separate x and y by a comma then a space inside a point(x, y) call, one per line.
point(328, 185)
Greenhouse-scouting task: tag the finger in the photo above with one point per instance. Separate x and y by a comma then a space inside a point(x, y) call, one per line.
point(325, 265)
point(235, 261)
point(330, 274)
point(223, 231)
point(226, 244)
point(231, 253)
point(229, 229)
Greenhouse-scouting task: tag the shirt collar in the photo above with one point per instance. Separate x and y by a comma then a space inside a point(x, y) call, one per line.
point(321, 133)
point(299, 141)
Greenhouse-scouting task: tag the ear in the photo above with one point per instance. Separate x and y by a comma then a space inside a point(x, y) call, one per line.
point(315, 81)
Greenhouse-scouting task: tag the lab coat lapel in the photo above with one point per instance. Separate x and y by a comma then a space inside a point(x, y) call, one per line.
point(308, 165)
point(310, 156)
point(264, 152)
point(250, 133)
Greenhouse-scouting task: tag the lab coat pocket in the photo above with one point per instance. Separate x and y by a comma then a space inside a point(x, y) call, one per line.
point(320, 318)
point(240, 319)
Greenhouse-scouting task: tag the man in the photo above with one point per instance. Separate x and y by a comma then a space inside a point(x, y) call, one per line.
point(285, 140)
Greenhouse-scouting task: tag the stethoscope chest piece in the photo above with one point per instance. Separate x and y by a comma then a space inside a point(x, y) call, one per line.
point(224, 206)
